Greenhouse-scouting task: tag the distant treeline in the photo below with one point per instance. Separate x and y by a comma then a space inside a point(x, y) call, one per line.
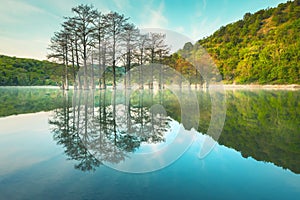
point(25, 72)
point(30, 72)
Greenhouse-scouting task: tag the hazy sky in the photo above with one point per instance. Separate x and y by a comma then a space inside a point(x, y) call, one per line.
point(28, 25)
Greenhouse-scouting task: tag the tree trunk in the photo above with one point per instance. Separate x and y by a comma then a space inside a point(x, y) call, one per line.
point(99, 57)
point(85, 81)
point(114, 60)
point(104, 65)
point(74, 69)
point(92, 73)
point(77, 63)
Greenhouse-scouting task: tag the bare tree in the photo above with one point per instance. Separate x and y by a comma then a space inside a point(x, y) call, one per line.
point(140, 54)
point(114, 23)
point(157, 49)
point(99, 36)
point(84, 17)
point(59, 52)
point(130, 37)
point(69, 27)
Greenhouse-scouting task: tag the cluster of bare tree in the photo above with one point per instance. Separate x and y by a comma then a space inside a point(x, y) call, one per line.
point(91, 41)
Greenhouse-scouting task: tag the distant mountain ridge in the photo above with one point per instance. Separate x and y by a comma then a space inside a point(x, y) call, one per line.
point(263, 47)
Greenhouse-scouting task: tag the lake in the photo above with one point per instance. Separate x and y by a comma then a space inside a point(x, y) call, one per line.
point(143, 144)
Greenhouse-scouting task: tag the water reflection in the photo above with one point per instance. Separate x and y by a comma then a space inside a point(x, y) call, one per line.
point(264, 125)
point(104, 126)
point(260, 124)
point(20, 100)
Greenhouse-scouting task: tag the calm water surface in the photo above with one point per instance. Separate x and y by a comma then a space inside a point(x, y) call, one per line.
point(56, 145)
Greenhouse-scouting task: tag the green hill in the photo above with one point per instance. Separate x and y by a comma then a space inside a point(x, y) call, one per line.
point(263, 47)
point(25, 72)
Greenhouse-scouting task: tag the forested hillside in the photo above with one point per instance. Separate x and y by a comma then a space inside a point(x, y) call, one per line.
point(23, 71)
point(263, 47)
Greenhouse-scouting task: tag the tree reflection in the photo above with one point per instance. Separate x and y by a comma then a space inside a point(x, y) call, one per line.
point(66, 126)
point(105, 126)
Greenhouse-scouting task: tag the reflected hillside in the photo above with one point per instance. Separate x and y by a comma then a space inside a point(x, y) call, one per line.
point(20, 100)
point(264, 125)
point(260, 124)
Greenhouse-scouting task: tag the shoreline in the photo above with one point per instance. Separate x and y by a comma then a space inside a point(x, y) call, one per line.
point(212, 86)
point(33, 86)
point(266, 87)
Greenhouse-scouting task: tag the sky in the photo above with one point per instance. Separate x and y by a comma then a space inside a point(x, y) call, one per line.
point(26, 26)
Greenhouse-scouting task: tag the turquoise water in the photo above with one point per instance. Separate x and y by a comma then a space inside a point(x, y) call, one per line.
point(44, 156)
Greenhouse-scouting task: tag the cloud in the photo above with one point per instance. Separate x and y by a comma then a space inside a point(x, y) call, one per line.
point(15, 11)
point(154, 17)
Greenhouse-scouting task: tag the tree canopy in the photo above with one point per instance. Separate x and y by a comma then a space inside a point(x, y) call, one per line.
point(261, 48)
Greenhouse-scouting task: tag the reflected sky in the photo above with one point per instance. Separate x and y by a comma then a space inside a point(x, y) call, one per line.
point(25, 141)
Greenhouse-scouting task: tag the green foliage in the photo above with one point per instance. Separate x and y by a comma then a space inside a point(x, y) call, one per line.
point(262, 48)
point(178, 62)
point(25, 72)
point(265, 126)
point(16, 100)
point(260, 124)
